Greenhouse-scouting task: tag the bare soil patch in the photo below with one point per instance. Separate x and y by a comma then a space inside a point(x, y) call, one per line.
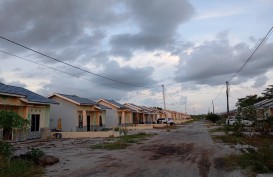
point(186, 151)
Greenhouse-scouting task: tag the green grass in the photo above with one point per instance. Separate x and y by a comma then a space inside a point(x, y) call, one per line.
point(111, 146)
point(255, 161)
point(22, 168)
point(229, 139)
point(260, 161)
point(122, 142)
point(255, 140)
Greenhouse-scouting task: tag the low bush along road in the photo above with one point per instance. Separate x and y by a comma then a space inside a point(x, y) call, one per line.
point(186, 150)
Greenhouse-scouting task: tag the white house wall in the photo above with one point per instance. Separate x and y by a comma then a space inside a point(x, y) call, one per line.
point(111, 119)
point(67, 112)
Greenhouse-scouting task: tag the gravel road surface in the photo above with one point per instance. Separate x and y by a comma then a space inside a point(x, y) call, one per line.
point(187, 151)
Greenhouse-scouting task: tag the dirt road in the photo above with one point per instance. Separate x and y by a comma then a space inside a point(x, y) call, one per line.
point(187, 151)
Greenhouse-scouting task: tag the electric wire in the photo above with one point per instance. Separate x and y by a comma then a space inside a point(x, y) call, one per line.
point(64, 72)
point(68, 64)
point(171, 98)
point(219, 93)
point(250, 57)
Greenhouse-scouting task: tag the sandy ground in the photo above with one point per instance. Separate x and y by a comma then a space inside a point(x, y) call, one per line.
point(187, 151)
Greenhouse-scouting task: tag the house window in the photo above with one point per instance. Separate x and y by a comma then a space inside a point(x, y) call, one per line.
point(80, 121)
point(35, 122)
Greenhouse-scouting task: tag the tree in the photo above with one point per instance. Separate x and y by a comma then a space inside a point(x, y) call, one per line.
point(249, 113)
point(213, 117)
point(268, 92)
point(247, 101)
point(11, 121)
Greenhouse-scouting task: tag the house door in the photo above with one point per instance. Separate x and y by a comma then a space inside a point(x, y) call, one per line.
point(88, 122)
point(35, 122)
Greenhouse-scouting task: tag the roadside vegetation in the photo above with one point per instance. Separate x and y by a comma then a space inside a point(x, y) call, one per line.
point(254, 143)
point(24, 165)
point(122, 142)
point(256, 152)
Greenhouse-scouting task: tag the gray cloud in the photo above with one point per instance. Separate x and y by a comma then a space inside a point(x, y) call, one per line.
point(260, 81)
point(157, 21)
point(214, 62)
point(67, 30)
point(13, 83)
point(2, 80)
point(134, 76)
point(60, 83)
point(81, 88)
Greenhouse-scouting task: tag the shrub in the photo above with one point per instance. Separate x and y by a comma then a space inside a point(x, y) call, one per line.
point(34, 154)
point(6, 151)
point(213, 117)
point(22, 168)
point(237, 129)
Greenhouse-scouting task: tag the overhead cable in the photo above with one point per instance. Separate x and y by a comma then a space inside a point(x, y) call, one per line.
point(68, 64)
point(250, 57)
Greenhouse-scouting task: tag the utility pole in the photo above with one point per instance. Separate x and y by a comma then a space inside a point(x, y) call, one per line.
point(227, 85)
point(212, 107)
point(163, 89)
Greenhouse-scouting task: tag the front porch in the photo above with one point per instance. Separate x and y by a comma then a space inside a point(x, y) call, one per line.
point(90, 121)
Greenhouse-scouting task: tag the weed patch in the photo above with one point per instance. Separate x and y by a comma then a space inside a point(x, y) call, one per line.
point(257, 161)
point(229, 139)
point(122, 142)
point(260, 161)
point(22, 168)
point(111, 146)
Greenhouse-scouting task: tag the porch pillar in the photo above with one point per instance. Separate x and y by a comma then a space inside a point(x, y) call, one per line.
point(84, 118)
point(122, 117)
point(97, 117)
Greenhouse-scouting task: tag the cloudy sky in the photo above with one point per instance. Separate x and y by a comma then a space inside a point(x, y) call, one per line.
point(126, 49)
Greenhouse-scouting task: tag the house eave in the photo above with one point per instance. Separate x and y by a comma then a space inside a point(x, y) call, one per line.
point(13, 95)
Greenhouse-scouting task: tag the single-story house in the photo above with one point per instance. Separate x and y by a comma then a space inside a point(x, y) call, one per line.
point(264, 109)
point(77, 114)
point(149, 115)
point(142, 114)
point(28, 105)
point(123, 114)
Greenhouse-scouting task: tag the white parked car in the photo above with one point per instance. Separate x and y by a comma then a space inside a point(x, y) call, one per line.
point(170, 121)
point(231, 120)
point(247, 122)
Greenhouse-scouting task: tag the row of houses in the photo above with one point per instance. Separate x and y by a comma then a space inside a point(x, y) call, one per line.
point(264, 109)
point(71, 113)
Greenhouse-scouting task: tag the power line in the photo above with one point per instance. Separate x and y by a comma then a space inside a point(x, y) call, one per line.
point(73, 66)
point(249, 58)
point(219, 92)
point(60, 70)
point(171, 98)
